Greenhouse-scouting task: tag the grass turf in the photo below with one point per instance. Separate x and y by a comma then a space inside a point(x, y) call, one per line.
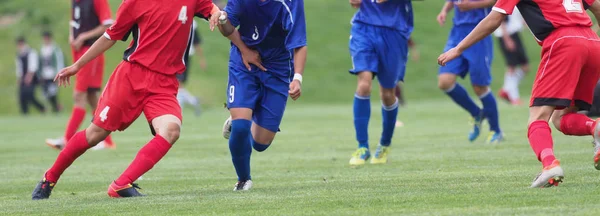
point(433, 170)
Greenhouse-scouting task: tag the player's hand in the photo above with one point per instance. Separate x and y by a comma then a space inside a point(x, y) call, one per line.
point(295, 89)
point(77, 43)
point(448, 56)
point(355, 3)
point(464, 5)
point(63, 77)
point(251, 56)
point(381, 1)
point(214, 19)
point(441, 18)
point(509, 43)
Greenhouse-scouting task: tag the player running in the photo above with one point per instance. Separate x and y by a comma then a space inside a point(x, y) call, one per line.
point(256, 95)
point(475, 61)
point(517, 63)
point(378, 47)
point(144, 82)
point(566, 76)
point(90, 18)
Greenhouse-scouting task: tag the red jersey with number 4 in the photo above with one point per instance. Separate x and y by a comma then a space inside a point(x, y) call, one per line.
point(544, 16)
point(160, 30)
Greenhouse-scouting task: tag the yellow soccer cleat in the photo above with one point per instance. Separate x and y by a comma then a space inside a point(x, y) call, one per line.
point(360, 156)
point(381, 154)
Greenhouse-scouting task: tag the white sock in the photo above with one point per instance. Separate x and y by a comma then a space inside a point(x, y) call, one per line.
point(507, 77)
point(180, 97)
point(519, 73)
point(513, 86)
point(188, 97)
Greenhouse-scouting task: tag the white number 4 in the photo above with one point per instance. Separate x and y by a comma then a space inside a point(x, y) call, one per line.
point(103, 115)
point(183, 15)
point(572, 6)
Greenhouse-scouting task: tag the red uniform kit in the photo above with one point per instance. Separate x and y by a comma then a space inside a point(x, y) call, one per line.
point(145, 80)
point(569, 69)
point(86, 15)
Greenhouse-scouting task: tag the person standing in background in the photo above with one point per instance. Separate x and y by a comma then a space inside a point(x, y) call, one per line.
point(27, 65)
point(89, 20)
point(51, 61)
point(517, 63)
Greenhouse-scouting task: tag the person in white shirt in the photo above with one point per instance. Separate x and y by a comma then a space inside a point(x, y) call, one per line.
point(514, 53)
point(26, 67)
point(51, 61)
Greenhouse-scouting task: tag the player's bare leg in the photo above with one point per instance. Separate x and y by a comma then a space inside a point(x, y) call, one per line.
point(77, 145)
point(240, 144)
point(490, 110)
point(167, 128)
point(399, 94)
point(389, 112)
point(447, 83)
point(362, 114)
point(92, 100)
point(540, 139)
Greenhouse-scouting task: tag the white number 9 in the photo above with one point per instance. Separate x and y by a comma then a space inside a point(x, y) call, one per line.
point(231, 94)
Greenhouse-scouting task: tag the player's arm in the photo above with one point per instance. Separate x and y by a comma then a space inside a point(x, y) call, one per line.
point(32, 67)
point(102, 10)
point(595, 9)
point(466, 5)
point(482, 30)
point(441, 18)
point(296, 40)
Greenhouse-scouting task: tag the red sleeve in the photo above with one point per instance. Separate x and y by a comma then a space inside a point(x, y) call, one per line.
point(103, 12)
point(204, 7)
point(124, 23)
point(505, 6)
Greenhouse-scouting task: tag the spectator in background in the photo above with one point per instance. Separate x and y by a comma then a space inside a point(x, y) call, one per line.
point(51, 58)
point(26, 67)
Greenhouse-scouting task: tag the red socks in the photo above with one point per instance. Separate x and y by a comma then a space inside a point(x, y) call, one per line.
point(540, 139)
point(149, 155)
point(577, 124)
point(77, 117)
point(76, 146)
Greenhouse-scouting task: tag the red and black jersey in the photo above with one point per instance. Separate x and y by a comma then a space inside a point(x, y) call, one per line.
point(160, 30)
point(86, 15)
point(544, 16)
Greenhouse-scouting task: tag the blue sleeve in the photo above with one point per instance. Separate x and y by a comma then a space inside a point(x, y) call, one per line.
point(233, 10)
point(295, 23)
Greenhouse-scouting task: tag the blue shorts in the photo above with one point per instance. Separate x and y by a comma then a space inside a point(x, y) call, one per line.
point(477, 60)
point(380, 50)
point(265, 93)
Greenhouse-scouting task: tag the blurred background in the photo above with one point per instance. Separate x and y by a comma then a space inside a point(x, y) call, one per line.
point(326, 76)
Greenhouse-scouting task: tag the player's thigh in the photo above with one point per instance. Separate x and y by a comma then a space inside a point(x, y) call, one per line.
point(392, 51)
point(161, 99)
point(479, 58)
point(590, 74)
point(243, 89)
point(269, 112)
point(558, 74)
point(120, 104)
point(362, 51)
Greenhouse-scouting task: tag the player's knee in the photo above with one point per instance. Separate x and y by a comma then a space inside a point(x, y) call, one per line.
point(95, 134)
point(480, 90)
point(171, 132)
point(555, 119)
point(388, 97)
point(80, 99)
point(444, 84)
point(363, 88)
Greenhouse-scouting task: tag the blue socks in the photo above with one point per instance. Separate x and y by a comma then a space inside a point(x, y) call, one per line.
point(389, 115)
point(259, 147)
point(240, 147)
point(460, 96)
point(362, 113)
point(490, 110)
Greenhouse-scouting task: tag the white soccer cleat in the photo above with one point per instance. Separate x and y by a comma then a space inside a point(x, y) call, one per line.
point(58, 143)
point(101, 145)
point(596, 142)
point(550, 176)
point(227, 129)
point(243, 185)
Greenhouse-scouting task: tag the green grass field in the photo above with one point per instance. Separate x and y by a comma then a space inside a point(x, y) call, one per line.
point(433, 170)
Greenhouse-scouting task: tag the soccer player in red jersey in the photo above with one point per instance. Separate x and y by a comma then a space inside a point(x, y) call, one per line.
point(90, 18)
point(566, 76)
point(145, 81)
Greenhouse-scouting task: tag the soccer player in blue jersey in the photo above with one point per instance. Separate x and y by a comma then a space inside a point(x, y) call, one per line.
point(267, 59)
point(476, 61)
point(379, 48)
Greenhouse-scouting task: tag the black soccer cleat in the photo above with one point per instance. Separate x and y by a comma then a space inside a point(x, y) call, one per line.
point(42, 190)
point(128, 190)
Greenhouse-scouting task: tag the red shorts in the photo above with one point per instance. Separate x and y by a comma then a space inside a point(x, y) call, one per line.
point(133, 89)
point(89, 78)
point(569, 69)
